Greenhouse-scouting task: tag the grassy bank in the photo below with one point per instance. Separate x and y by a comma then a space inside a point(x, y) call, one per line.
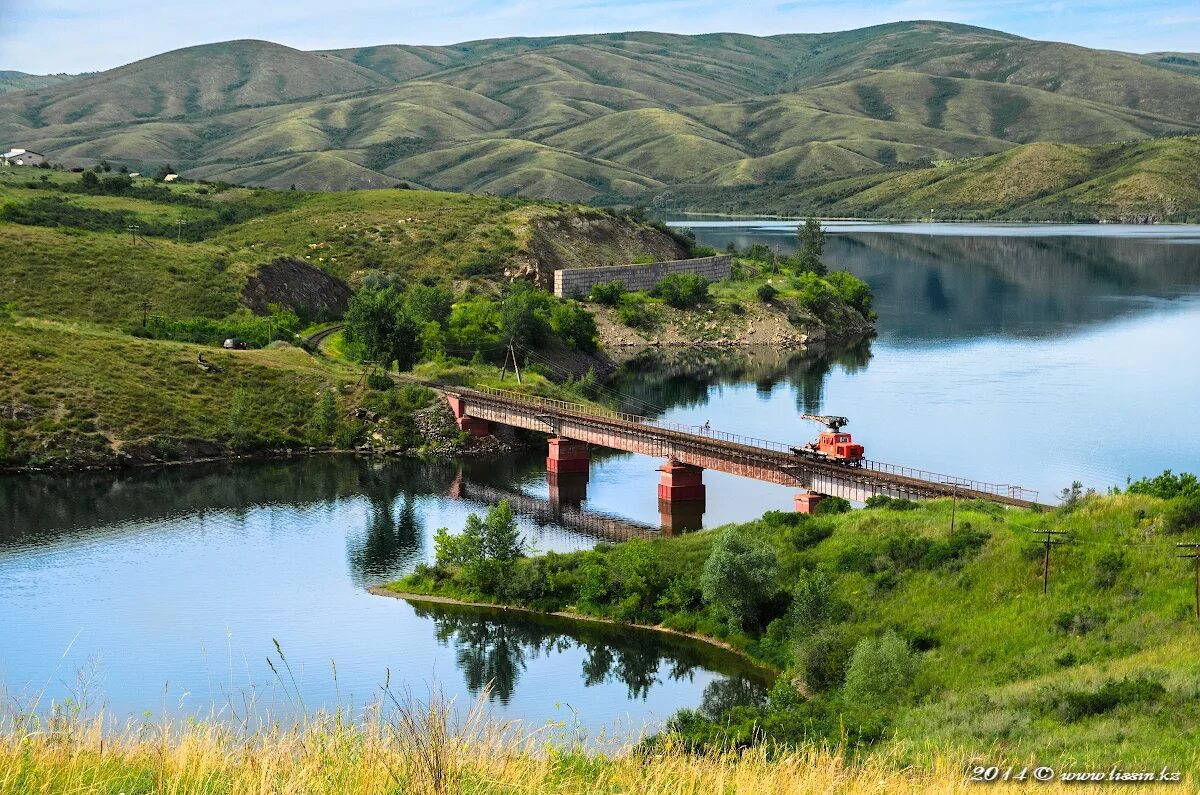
point(420, 749)
point(896, 632)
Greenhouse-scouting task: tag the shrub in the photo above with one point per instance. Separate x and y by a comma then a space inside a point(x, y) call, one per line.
point(851, 289)
point(682, 290)
point(891, 503)
point(822, 658)
point(832, 505)
point(1070, 706)
point(636, 312)
point(766, 292)
point(739, 577)
point(1079, 622)
point(380, 382)
point(1182, 513)
point(1166, 486)
point(608, 293)
point(881, 670)
point(1108, 568)
point(574, 325)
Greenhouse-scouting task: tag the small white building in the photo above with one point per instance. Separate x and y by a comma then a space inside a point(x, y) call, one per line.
point(23, 157)
point(170, 177)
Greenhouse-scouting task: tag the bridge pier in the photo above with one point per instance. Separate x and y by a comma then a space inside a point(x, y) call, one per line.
point(807, 501)
point(680, 482)
point(567, 455)
point(472, 425)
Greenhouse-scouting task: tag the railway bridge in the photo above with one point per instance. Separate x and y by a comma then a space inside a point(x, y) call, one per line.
point(689, 450)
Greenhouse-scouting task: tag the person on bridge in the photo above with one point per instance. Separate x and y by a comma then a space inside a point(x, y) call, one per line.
point(707, 427)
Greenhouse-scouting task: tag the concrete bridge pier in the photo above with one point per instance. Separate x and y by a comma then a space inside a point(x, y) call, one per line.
point(807, 501)
point(567, 455)
point(472, 425)
point(680, 496)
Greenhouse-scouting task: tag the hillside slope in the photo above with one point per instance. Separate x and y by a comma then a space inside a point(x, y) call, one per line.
point(609, 115)
point(1136, 182)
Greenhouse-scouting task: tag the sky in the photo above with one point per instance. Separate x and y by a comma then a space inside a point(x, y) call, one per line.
point(47, 36)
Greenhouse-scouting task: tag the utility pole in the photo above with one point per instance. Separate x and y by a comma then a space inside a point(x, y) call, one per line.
point(179, 225)
point(510, 353)
point(1195, 558)
point(953, 505)
point(145, 307)
point(1049, 540)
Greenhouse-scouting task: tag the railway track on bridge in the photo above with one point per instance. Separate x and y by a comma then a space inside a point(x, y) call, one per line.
point(725, 452)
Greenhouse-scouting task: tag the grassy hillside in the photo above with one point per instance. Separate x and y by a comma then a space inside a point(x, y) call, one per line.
point(20, 81)
point(905, 631)
point(100, 272)
point(609, 115)
point(66, 253)
point(1136, 182)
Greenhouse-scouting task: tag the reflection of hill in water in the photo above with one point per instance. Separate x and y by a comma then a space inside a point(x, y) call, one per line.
point(494, 651)
point(938, 287)
point(670, 378)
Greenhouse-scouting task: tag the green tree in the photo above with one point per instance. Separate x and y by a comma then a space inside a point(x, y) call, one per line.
point(523, 314)
point(485, 550)
point(324, 420)
point(426, 304)
point(377, 320)
point(574, 325)
point(740, 577)
point(812, 244)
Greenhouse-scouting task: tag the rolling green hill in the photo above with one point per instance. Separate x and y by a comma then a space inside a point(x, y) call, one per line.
point(19, 81)
point(1136, 182)
point(607, 116)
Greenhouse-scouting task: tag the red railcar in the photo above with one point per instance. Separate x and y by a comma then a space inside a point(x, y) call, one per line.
point(832, 444)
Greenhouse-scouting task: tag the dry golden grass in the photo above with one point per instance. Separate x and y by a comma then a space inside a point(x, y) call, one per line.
point(423, 749)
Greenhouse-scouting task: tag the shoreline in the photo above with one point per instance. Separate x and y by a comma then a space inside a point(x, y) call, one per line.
point(569, 615)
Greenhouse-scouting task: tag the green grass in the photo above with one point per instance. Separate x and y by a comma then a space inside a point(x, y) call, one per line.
point(994, 652)
point(79, 395)
point(1137, 181)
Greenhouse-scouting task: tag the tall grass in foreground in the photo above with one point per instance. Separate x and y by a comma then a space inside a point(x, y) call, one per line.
point(421, 748)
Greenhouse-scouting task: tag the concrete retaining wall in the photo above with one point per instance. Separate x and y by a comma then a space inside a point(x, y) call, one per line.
point(578, 282)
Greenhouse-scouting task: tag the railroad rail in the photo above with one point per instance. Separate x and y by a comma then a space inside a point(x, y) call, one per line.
point(761, 459)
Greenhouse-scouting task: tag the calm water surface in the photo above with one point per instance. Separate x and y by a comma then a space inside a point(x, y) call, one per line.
point(1027, 355)
point(166, 591)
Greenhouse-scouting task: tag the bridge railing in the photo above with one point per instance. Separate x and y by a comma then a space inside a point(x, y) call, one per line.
point(998, 489)
point(586, 410)
point(583, 409)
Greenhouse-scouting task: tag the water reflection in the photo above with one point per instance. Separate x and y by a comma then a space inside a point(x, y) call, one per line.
point(960, 283)
point(686, 378)
point(498, 652)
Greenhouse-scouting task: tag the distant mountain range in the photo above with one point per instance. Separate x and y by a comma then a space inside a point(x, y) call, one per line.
point(604, 117)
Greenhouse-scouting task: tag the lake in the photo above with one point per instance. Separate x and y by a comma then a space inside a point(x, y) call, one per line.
point(1030, 355)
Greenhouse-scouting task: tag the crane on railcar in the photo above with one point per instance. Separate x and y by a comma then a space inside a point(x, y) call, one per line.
point(832, 444)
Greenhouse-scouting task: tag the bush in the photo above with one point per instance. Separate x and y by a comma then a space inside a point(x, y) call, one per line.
point(682, 290)
point(1182, 513)
point(608, 293)
point(1166, 486)
point(851, 289)
point(1108, 568)
point(636, 312)
point(766, 292)
point(891, 503)
point(881, 671)
point(1070, 706)
point(739, 577)
point(380, 382)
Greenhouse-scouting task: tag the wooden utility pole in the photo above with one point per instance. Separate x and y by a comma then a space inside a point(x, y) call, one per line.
point(510, 353)
point(953, 505)
point(179, 225)
point(1195, 558)
point(1049, 540)
point(145, 307)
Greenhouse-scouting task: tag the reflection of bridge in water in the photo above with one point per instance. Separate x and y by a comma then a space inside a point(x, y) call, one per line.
point(563, 507)
point(689, 451)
